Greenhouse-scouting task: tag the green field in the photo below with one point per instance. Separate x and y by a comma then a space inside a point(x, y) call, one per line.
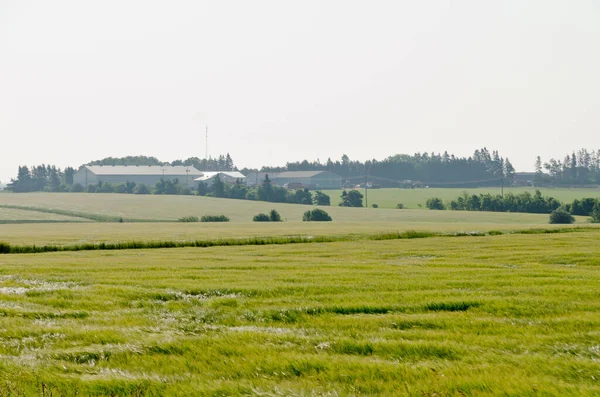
point(347, 221)
point(511, 314)
point(412, 198)
point(504, 315)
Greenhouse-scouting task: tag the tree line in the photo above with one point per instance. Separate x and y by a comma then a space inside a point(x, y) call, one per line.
point(40, 178)
point(523, 202)
point(220, 163)
point(483, 168)
point(266, 191)
point(578, 168)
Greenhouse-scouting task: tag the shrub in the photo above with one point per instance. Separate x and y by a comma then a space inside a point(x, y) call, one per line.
point(4, 248)
point(560, 216)
point(214, 218)
point(595, 215)
point(352, 198)
point(261, 218)
point(274, 216)
point(321, 198)
point(583, 207)
point(190, 218)
point(141, 189)
point(435, 203)
point(316, 215)
point(374, 205)
point(400, 206)
point(77, 188)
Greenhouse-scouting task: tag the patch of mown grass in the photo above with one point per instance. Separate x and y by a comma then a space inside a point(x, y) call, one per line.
point(361, 309)
point(409, 234)
point(75, 214)
point(35, 221)
point(43, 315)
point(451, 306)
point(353, 348)
point(83, 357)
point(412, 324)
point(169, 349)
point(417, 351)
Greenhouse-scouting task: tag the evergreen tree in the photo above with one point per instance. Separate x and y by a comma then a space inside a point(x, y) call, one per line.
point(218, 187)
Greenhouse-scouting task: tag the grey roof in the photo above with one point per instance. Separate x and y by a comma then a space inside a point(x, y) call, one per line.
point(301, 174)
point(169, 170)
point(259, 177)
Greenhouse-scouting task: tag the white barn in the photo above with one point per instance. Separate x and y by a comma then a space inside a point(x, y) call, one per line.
point(147, 174)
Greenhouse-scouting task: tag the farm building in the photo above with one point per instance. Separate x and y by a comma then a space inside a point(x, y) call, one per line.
point(145, 174)
point(524, 178)
point(226, 176)
point(257, 178)
point(309, 179)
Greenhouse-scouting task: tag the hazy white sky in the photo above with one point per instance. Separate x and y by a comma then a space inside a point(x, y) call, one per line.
point(281, 80)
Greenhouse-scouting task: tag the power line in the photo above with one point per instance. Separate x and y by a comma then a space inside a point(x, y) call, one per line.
point(383, 179)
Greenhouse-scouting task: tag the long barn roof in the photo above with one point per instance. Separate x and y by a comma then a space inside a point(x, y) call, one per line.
point(301, 174)
point(169, 170)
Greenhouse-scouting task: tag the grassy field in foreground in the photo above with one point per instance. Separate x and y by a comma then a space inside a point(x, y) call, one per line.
point(511, 315)
point(411, 198)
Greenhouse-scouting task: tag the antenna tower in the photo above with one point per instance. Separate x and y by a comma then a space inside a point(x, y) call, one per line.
point(206, 144)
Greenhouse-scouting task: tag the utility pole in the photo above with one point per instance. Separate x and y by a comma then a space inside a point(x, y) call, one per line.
point(366, 191)
point(206, 145)
point(366, 186)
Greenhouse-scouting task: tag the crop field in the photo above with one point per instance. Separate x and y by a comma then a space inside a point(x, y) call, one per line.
point(412, 198)
point(107, 208)
point(511, 315)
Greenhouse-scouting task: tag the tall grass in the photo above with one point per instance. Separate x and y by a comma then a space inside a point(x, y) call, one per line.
point(479, 316)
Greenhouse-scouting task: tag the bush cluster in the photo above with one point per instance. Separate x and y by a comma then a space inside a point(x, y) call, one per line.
point(214, 218)
point(316, 215)
point(435, 203)
point(524, 202)
point(561, 216)
point(189, 219)
point(273, 216)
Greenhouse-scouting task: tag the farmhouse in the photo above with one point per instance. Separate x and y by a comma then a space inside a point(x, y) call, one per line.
point(309, 179)
point(145, 174)
point(225, 176)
